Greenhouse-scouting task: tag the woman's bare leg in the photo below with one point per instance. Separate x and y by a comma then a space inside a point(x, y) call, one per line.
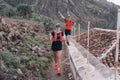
point(68, 39)
point(57, 57)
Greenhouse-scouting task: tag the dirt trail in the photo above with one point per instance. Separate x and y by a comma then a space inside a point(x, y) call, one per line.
point(53, 76)
point(66, 72)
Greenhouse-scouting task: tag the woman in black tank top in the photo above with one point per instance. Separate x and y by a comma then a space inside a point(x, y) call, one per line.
point(57, 37)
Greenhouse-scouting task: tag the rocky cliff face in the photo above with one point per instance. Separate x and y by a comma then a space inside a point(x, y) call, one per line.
point(101, 13)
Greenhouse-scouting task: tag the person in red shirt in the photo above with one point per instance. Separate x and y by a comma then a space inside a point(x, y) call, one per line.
point(68, 26)
point(56, 37)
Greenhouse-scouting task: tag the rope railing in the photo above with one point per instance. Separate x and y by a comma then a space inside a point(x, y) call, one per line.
point(103, 55)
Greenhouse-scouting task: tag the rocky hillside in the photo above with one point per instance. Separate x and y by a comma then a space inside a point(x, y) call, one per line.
point(24, 50)
point(101, 13)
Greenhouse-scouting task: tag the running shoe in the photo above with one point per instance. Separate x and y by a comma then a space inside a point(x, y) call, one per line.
point(68, 43)
point(55, 66)
point(58, 71)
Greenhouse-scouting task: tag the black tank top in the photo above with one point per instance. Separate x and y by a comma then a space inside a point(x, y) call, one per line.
point(58, 36)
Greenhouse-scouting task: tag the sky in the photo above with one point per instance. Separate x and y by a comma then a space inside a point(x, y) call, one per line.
point(115, 1)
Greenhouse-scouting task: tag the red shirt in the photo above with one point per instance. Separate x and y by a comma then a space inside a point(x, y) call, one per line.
point(69, 23)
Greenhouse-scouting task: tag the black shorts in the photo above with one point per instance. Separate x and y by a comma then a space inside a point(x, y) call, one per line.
point(56, 46)
point(67, 32)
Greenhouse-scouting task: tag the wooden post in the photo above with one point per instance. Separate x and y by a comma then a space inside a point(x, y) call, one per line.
point(74, 32)
point(0, 19)
point(1, 40)
point(88, 41)
point(78, 38)
point(117, 44)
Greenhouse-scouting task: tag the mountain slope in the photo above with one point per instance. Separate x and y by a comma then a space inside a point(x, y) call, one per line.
point(24, 50)
point(100, 12)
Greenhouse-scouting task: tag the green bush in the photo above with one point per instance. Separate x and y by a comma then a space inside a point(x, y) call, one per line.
point(49, 25)
point(24, 69)
point(10, 13)
point(48, 22)
point(37, 19)
point(10, 60)
point(24, 10)
point(2, 9)
point(32, 41)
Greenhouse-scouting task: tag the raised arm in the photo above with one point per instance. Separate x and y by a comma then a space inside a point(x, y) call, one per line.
point(61, 15)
